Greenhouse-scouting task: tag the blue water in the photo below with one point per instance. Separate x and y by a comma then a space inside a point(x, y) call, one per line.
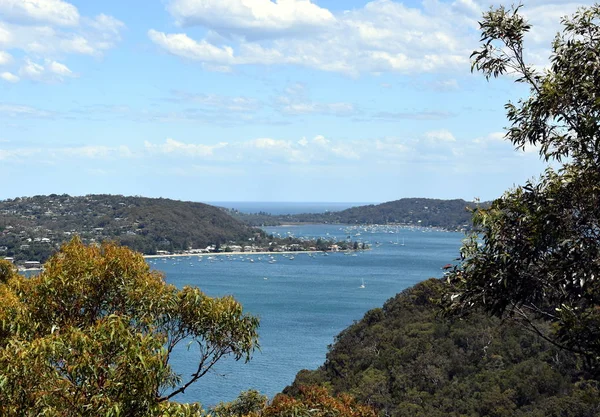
point(306, 301)
point(284, 207)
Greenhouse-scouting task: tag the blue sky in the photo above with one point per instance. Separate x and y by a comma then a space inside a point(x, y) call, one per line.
point(257, 100)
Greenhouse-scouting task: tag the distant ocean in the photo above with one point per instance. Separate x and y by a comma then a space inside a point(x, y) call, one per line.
point(284, 207)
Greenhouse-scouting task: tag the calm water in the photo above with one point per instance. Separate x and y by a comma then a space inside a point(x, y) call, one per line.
point(303, 303)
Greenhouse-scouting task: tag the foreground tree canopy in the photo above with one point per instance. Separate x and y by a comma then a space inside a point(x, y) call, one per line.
point(536, 251)
point(309, 401)
point(93, 333)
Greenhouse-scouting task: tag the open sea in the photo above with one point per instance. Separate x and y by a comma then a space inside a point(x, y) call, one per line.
point(304, 302)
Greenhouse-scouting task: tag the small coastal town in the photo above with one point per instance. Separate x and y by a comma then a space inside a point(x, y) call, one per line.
point(33, 228)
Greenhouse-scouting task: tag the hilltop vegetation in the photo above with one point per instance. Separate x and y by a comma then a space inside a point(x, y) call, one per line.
point(405, 360)
point(34, 227)
point(447, 214)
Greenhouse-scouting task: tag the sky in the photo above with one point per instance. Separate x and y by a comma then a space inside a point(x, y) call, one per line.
point(258, 100)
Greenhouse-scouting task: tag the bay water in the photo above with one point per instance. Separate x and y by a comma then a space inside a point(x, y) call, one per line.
point(303, 301)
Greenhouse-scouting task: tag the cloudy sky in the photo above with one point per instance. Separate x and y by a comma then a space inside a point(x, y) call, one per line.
point(257, 100)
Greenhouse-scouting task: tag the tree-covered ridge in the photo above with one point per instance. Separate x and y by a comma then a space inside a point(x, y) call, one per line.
point(428, 212)
point(407, 361)
point(33, 227)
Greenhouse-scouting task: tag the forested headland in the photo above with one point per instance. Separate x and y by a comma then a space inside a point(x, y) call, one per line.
point(34, 227)
point(426, 212)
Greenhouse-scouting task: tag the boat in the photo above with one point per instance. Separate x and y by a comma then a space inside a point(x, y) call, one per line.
point(363, 284)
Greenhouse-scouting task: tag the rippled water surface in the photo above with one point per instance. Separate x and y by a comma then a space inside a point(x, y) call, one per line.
point(305, 301)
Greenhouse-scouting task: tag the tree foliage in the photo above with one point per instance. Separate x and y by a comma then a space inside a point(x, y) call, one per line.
point(535, 253)
point(93, 333)
point(309, 401)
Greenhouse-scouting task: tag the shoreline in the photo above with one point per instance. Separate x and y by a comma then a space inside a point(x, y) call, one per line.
point(182, 255)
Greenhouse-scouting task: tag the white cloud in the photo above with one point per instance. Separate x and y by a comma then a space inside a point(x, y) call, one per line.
point(437, 136)
point(320, 140)
point(495, 137)
point(6, 37)
point(75, 44)
point(59, 69)
point(181, 45)
point(382, 36)
point(468, 7)
point(105, 23)
point(50, 71)
point(268, 143)
point(56, 12)
point(31, 70)
point(174, 147)
point(10, 77)
point(51, 29)
point(255, 18)
point(5, 58)
point(47, 41)
point(416, 154)
point(391, 147)
point(346, 152)
point(272, 151)
point(264, 151)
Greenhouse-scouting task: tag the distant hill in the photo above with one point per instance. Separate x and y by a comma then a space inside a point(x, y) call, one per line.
point(408, 362)
point(32, 227)
point(447, 214)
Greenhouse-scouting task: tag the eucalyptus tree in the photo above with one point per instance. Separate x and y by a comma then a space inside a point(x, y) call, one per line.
point(535, 252)
point(94, 332)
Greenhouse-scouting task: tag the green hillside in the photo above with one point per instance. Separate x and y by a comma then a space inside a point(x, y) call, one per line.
point(33, 227)
point(406, 361)
point(447, 214)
